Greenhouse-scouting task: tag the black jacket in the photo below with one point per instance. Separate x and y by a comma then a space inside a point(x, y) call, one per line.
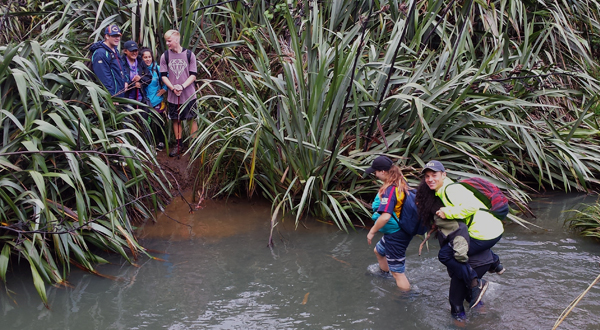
point(143, 72)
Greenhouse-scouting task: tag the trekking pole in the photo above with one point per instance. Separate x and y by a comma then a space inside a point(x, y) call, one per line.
point(180, 128)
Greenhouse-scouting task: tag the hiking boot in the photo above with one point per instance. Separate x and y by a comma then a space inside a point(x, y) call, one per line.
point(160, 146)
point(176, 151)
point(477, 292)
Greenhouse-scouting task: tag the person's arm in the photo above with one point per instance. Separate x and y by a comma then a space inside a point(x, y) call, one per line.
point(164, 74)
point(101, 67)
point(387, 203)
point(163, 88)
point(167, 82)
point(381, 221)
point(465, 204)
point(178, 88)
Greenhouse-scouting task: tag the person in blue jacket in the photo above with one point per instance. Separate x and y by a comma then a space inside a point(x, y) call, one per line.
point(107, 64)
point(155, 91)
point(396, 201)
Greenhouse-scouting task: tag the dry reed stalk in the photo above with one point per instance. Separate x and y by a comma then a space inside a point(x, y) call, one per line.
point(566, 312)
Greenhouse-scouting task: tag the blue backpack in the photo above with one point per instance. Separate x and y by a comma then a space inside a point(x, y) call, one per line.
point(409, 216)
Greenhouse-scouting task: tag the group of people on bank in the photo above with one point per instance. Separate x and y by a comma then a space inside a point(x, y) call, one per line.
point(136, 75)
point(464, 225)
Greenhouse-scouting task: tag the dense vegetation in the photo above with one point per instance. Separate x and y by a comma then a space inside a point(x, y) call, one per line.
point(505, 89)
point(296, 98)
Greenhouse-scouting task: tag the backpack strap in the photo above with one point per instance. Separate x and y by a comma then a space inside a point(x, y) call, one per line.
point(166, 55)
point(395, 192)
point(469, 221)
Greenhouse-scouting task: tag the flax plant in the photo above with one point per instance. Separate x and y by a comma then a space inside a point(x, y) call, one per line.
point(500, 89)
point(586, 220)
point(75, 173)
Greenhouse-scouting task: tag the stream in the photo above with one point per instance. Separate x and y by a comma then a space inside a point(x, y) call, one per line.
point(216, 272)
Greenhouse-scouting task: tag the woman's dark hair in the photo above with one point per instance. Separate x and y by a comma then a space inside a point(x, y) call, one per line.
point(146, 49)
point(427, 203)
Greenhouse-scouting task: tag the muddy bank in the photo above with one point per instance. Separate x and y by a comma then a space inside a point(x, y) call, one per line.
point(179, 171)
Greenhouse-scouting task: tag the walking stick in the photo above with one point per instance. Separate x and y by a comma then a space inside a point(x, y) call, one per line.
point(180, 127)
point(427, 235)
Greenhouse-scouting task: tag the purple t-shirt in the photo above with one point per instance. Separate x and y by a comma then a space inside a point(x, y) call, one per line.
point(179, 71)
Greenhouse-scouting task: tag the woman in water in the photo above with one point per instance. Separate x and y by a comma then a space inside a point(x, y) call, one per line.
point(394, 195)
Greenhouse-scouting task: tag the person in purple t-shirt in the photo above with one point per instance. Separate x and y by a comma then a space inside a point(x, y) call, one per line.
point(179, 75)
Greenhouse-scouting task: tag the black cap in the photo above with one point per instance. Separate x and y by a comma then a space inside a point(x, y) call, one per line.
point(381, 163)
point(130, 45)
point(434, 165)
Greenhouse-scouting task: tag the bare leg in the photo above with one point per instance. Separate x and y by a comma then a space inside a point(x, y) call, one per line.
point(177, 130)
point(194, 127)
point(401, 281)
point(383, 265)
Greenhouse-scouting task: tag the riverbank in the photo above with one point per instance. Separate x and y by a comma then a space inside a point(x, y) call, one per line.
point(177, 169)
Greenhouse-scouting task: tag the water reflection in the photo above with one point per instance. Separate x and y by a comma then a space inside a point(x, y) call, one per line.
point(219, 274)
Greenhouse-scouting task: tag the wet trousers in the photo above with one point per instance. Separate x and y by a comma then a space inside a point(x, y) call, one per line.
point(477, 246)
point(458, 292)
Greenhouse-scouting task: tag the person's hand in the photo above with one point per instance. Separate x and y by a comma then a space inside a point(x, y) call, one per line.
point(370, 237)
point(178, 87)
point(161, 92)
point(136, 78)
point(138, 85)
point(126, 85)
point(440, 213)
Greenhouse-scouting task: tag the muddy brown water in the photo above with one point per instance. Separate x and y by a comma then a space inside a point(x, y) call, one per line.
point(218, 273)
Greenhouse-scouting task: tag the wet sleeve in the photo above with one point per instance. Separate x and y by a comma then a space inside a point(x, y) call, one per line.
point(461, 248)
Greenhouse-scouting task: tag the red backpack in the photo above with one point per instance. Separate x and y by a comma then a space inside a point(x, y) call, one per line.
point(489, 194)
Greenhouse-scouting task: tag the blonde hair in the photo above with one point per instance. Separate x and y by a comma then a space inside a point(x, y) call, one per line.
point(394, 178)
point(172, 33)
